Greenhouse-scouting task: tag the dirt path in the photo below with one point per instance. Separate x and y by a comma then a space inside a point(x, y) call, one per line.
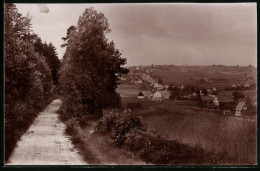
point(45, 142)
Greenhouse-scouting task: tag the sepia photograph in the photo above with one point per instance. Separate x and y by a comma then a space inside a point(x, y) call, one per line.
point(130, 84)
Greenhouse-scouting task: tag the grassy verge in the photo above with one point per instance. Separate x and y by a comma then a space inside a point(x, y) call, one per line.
point(14, 129)
point(98, 148)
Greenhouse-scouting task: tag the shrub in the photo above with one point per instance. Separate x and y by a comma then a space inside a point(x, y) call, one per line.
point(71, 124)
point(106, 123)
point(83, 121)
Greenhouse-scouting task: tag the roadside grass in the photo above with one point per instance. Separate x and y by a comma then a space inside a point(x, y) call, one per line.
point(14, 129)
point(208, 129)
point(98, 148)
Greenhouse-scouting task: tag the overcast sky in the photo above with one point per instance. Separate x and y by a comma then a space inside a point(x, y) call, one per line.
point(179, 34)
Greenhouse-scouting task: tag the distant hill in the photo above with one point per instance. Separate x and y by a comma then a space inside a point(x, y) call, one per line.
point(219, 76)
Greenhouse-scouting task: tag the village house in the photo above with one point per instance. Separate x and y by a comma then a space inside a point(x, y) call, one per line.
point(211, 101)
point(246, 85)
point(194, 94)
point(227, 112)
point(201, 94)
point(123, 79)
point(159, 87)
point(145, 95)
point(215, 100)
point(139, 82)
point(214, 89)
point(140, 95)
point(166, 87)
point(161, 95)
point(240, 106)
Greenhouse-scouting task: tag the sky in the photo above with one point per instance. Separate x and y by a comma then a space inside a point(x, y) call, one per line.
point(168, 33)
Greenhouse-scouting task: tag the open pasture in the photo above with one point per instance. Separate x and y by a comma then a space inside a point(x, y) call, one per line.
point(234, 137)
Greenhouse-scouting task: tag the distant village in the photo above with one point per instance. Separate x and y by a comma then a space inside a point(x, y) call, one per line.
point(229, 101)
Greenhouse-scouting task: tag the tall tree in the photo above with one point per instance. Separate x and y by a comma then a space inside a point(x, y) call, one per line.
point(27, 76)
point(92, 63)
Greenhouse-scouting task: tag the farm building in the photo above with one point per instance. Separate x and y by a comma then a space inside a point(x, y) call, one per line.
point(211, 100)
point(227, 112)
point(123, 79)
point(201, 94)
point(159, 87)
point(140, 95)
point(161, 95)
point(240, 106)
point(246, 85)
point(139, 82)
point(145, 94)
point(214, 89)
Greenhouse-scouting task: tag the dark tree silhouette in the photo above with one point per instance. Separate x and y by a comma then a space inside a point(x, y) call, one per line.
point(90, 67)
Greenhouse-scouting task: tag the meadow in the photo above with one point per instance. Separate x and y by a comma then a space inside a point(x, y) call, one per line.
point(234, 137)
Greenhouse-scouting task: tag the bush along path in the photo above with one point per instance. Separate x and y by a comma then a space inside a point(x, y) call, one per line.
point(45, 142)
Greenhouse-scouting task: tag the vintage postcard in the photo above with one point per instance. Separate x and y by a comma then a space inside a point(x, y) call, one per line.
point(130, 84)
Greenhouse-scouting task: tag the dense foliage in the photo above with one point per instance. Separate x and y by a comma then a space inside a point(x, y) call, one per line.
point(28, 79)
point(90, 67)
point(50, 55)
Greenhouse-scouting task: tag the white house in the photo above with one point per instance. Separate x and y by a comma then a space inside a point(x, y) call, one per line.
point(246, 85)
point(139, 82)
point(123, 79)
point(215, 101)
point(161, 95)
point(202, 94)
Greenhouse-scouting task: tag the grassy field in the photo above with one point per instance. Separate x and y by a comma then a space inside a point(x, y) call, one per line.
point(235, 137)
point(209, 129)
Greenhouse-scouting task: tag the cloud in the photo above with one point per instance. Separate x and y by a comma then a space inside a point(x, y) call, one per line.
point(43, 8)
